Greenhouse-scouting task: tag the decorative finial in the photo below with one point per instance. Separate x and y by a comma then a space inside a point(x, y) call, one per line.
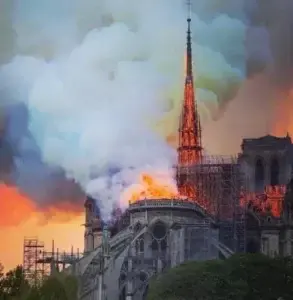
point(188, 9)
point(188, 44)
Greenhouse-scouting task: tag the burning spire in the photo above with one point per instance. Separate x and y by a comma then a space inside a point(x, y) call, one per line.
point(190, 146)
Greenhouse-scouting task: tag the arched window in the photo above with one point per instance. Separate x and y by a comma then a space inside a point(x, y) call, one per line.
point(259, 174)
point(139, 246)
point(159, 237)
point(155, 245)
point(274, 167)
point(159, 230)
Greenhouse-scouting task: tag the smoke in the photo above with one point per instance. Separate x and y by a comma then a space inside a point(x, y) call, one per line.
point(263, 103)
point(91, 80)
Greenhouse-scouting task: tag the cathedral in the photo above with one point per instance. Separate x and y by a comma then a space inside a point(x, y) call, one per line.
point(241, 204)
point(266, 163)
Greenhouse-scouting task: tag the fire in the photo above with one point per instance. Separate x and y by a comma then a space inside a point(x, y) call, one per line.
point(151, 188)
point(270, 201)
point(16, 208)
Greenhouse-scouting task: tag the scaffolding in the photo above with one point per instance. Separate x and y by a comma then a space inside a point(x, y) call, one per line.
point(38, 263)
point(218, 183)
point(32, 251)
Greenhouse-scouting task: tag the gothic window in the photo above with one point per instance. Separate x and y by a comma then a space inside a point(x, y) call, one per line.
point(159, 237)
point(137, 246)
point(274, 167)
point(159, 230)
point(155, 245)
point(259, 174)
point(141, 245)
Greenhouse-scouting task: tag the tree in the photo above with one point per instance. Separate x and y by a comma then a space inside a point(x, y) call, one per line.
point(53, 289)
point(13, 284)
point(71, 285)
point(57, 287)
point(268, 278)
point(197, 280)
point(241, 277)
point(2, 293)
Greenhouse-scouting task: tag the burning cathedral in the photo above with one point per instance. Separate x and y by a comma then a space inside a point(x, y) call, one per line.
point(225, 205)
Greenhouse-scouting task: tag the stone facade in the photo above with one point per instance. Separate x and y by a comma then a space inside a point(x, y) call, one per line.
point(267, 166)
point(161, 234)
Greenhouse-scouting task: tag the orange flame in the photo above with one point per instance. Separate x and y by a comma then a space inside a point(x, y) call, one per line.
point(270, 201)
point(150, 188)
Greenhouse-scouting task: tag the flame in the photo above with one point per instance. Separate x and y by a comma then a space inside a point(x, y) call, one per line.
point(270, 201)
point(150, 187)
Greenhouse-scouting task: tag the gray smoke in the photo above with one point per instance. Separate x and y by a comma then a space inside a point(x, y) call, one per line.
point(85, 81)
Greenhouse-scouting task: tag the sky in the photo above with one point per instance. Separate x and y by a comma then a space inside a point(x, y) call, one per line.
point(91, 92)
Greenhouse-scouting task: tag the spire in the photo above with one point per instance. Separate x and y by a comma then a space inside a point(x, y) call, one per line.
point(190, 147)
point(189, 74)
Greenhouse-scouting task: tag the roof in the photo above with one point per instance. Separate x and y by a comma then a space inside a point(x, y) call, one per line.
point(267, 141)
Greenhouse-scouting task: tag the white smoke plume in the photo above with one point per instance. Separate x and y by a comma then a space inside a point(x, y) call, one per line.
point(97, 75)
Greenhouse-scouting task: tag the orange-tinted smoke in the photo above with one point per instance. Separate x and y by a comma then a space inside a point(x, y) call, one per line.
point(16, 208)
point(283, 121)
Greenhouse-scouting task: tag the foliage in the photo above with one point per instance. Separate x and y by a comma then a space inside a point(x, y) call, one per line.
point(13, 286)
point(241, 277)
point(268, 278)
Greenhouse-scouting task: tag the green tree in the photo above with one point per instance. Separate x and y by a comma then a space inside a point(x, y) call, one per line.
point(197, 280)
point(58, 287)
point(71, 285)
point(53, 289)
point(13, 284)
point(267, 278)
point(241, 277)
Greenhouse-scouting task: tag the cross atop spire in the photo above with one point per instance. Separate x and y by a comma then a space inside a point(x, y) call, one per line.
point(189, 74)
point(188, 2)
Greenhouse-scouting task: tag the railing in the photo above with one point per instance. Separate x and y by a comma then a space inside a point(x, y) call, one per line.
point(168, 203)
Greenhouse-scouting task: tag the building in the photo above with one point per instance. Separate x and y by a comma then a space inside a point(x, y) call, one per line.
point(267, 165)
point(229, 205)
point(204, 222)
point(158, 234)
